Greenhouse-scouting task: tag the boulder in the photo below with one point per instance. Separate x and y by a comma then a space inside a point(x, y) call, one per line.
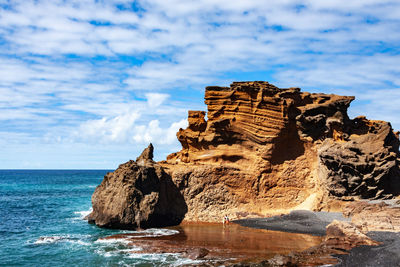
point(374, 216)
point(139, 194)
point(196, 253)
point(345, 235)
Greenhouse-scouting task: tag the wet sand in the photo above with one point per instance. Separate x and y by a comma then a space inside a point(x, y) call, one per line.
point(387, 254)
point(314, 223)
point(259, 239)
point(299, 221)
point(226, 244)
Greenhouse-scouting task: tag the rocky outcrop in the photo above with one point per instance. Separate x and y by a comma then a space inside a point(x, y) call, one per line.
point(365, 164)
point(139, 194)
point(374, 217)
point(258, 150)
point(345, 236)
point(264, 149)
point(340, 238)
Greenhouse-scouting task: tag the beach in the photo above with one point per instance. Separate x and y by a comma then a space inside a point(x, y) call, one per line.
point(314, 223)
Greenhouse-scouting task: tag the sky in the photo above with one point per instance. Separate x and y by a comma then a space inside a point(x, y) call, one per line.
point(88, 84)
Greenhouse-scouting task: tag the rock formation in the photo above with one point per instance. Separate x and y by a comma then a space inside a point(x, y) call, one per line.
point(340, 238)
point(265, 149)
point(374, 217)
point(137, 195)
point(261, 150)
point(345, 236)
point(366, 164)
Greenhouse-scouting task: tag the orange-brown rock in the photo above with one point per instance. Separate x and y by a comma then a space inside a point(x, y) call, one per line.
point(345, 236)
point(264, 149)
point(261, 150)
point(374, 217)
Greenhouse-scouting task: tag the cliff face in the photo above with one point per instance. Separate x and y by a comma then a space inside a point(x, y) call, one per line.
point(266, 150)
point(252, 121)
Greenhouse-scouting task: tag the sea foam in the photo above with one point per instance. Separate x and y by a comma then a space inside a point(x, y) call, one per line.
point(61, 238)
point(82, 214)
point(152, 232)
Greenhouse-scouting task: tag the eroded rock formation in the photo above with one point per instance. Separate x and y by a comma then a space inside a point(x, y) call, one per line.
point(365, 164)
point(258, 150)
point(265, 149)
point(139, 194)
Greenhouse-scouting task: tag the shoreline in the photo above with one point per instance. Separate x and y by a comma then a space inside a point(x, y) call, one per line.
point(387, 253)
point(297, 221)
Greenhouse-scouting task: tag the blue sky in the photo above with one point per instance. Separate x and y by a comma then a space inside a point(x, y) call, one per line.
point(88, 84)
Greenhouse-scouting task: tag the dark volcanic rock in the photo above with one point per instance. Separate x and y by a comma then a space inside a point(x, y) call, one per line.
point(137, 195)
point(365, 165)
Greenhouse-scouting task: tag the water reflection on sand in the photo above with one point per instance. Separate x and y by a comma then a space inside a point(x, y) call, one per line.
point(224, 242)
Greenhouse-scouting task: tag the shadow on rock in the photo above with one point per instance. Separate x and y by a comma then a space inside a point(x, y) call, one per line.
point(139, 194)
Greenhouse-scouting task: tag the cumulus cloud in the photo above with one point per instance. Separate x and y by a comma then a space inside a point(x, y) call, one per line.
point(124, 129)
point(152, 132)
point(116, 129)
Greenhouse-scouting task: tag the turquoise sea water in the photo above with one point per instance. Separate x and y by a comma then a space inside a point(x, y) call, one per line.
point(41, 223)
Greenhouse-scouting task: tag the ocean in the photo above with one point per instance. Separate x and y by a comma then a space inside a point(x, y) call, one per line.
point(41, 224)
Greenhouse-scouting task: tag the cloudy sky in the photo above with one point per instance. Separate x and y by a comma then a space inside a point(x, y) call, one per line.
point(88, 84)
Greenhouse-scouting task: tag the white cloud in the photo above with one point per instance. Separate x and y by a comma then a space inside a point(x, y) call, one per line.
point(116, 129)
point(157, 135)
point(156, 99)
point(124, 128)
point(379, 105)
point(67, 65)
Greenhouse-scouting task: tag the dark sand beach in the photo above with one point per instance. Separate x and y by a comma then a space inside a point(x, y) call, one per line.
point(298, 221)
point(387, 254)
point(314, 223)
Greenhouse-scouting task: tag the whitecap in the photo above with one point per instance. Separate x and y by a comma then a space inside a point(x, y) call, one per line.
point(48, 239)
point(76, 239)
point(106, 252)
point(152, 232)
point(80, 242)
point(160, 257)
point(112, 241)
point(186, 261)
point(82, 214)
point(161, 232)
point(171, 259)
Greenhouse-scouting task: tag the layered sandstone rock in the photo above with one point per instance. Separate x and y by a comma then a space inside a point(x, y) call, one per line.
point(264, 149)
point(137, 195)
point(258, 150)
